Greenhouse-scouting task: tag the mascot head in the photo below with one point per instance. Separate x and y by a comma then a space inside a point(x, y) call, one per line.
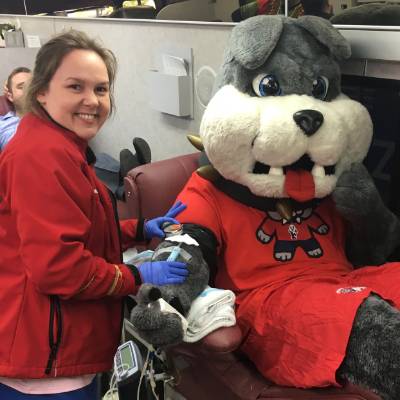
point(278, 123)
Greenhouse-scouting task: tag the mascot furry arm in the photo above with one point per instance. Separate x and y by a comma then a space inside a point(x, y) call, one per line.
point(283, 205)
point(373, 230)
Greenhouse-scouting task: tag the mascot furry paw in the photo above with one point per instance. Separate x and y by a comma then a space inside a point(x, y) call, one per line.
point(155, 326)
point(285, 210)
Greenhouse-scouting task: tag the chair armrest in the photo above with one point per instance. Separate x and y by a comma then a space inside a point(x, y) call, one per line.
point(222, 340)
point(219, 344)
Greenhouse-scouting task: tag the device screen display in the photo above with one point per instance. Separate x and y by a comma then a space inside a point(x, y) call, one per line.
point(127, 358)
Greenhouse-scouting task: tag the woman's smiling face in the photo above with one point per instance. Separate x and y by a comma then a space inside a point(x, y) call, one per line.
point(78, 95)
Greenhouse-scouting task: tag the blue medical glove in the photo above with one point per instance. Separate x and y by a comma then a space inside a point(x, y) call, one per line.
point(153, 227)
point(163, 272)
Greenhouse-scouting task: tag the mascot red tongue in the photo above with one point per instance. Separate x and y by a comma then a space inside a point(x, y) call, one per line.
point(299, 185)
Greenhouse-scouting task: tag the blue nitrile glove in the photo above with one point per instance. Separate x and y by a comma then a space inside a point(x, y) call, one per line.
point(163, 272)
point(152, 227)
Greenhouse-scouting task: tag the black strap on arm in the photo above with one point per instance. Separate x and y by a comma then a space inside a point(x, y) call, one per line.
point(208, 245)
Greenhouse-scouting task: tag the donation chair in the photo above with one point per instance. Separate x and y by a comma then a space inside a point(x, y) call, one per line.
point(212, 368)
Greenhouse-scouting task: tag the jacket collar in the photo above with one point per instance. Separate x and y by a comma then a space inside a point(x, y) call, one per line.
point(82, 144)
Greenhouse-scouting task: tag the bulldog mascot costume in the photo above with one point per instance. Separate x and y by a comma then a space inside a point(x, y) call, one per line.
point(285, 211)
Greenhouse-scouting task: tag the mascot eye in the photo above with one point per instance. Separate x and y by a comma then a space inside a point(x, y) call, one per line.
point(266, 85)
point(320, 88)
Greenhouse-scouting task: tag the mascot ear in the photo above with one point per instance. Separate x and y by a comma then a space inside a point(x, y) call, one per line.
point(253, 40)
point(322, 30)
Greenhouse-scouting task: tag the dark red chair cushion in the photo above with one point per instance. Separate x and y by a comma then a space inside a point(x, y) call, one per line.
point(149, 189)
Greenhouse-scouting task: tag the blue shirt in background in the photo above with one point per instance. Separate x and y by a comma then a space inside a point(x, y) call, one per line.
point(8, 126)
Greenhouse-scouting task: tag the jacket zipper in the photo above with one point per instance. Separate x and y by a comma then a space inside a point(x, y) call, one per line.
point(115, 209)
point(54, 342)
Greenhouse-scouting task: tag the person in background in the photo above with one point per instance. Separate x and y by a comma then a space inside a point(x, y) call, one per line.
point(14, 92)
point(250, 8)
point(320, 8)
point(62, 279)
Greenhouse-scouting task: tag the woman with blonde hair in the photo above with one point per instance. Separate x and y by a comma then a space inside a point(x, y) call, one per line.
point(62, 279)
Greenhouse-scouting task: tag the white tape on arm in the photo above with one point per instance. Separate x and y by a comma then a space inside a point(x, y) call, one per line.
point(183, 239)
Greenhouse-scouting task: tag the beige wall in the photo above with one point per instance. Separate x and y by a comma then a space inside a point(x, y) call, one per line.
point(135, 44)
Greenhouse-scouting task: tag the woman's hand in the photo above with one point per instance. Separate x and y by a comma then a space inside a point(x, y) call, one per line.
point(163, 272)
point(153, 227)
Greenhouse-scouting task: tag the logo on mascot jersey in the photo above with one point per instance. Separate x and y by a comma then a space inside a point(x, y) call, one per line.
point(299, 231)
point(347, 290)
point(293, 231)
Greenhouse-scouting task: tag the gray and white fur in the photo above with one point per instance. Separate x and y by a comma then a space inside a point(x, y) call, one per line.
point(254, 129)
point(162, 329)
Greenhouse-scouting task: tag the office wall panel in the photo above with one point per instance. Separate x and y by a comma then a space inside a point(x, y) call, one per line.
point(135, 44)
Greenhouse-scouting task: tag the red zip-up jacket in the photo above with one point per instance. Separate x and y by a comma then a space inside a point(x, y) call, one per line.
point(59, 242)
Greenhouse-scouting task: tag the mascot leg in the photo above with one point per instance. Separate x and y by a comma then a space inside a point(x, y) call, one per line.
point(373, 353)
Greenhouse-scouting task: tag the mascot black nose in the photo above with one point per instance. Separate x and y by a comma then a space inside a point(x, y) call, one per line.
point(308, 120)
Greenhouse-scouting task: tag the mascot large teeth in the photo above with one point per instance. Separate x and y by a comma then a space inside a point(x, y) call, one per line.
point(285, 210)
